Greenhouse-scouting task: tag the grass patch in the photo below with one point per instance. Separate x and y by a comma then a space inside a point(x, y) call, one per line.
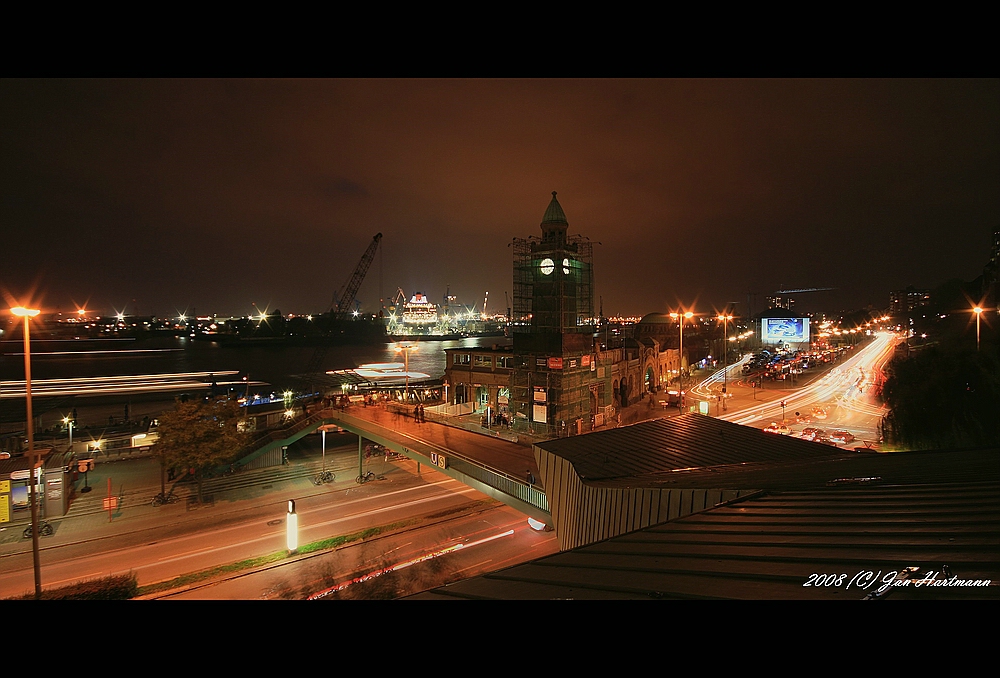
point(251, 563)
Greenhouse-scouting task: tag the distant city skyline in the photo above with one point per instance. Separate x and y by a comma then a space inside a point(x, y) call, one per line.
point(168, 196)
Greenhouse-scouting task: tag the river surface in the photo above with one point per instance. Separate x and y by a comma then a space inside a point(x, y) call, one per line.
point(276, 366)
point(272, 364)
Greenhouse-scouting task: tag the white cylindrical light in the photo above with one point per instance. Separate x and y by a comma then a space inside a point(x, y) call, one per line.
point(291, 527)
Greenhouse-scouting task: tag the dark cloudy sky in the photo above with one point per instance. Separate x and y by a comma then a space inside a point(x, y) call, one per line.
point(217, 193)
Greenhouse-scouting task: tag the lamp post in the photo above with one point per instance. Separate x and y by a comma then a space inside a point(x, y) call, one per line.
point(69, 423)
point(32, 480)
point(680, 356)
point(406, 347)
point(978, 311)
point(725, 352)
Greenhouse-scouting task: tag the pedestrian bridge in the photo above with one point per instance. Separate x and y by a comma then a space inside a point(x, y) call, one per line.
point(462, 458)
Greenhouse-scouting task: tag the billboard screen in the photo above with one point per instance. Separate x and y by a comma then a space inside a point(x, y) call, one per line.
point(790, 330)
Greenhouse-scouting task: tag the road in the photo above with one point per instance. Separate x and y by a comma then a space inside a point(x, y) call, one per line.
point(159, 544)
point(844, 392)
point(430, 555)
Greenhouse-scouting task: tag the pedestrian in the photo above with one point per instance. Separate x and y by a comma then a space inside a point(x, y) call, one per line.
point(421, 406)
point(531, 477)
point(416, 413)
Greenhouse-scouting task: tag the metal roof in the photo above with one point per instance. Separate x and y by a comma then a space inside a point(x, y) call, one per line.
point(939, 513)
point(554, 213)
point(651, 453)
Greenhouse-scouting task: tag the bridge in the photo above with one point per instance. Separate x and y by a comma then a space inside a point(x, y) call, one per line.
point(497, 468)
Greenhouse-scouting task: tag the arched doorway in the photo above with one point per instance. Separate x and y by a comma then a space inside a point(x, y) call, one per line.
point(648, 381)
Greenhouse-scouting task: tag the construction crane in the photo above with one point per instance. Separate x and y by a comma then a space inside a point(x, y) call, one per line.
point(806, 289)
point(340, 307)
point(342, 303)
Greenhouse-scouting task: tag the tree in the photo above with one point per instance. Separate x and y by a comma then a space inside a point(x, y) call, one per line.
point(200, 436)
point(944, 396)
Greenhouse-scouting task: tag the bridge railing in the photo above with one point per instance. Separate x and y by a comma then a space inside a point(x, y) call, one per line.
point(502, 482)
point(512, 486)
point(518, 488)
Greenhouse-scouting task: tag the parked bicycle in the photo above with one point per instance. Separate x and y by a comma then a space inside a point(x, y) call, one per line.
point(169, 498)
point(364, 477)
point(324, 477)
point(44, 530)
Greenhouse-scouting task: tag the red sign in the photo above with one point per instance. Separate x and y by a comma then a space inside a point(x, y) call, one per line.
point(585, 360)
point(555, 363)
point(110, 502)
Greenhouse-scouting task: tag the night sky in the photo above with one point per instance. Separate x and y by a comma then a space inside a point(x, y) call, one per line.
point(163, 196)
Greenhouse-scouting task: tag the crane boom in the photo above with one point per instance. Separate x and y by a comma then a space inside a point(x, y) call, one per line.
point(343, 305)
point(806, 289)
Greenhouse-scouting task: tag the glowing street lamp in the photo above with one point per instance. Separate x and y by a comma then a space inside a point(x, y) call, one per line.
point(69, 422)
point(406, 347)
point(978, 311)
point(32, 479)
point(725, 352)
point(680, 356)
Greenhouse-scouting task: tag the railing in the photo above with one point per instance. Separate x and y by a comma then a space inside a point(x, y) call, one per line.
point(519, 489)
point(514, 487)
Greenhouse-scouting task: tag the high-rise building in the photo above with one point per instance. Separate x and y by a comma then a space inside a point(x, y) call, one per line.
point(904, 301)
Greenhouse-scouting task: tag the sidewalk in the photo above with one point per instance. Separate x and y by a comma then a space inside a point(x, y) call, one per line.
point(136, 481)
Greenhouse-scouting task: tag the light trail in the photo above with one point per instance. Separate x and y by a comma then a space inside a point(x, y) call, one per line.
point(118, 385)
point(704, 389)
point(406, 564)
point(840, 385)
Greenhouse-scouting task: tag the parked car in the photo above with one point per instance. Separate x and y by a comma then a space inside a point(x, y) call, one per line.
point(775, 427)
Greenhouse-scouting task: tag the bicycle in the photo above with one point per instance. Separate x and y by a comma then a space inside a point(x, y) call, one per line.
point(364, 477)
point(44, 530)
point(169, 498)
point(324, 477)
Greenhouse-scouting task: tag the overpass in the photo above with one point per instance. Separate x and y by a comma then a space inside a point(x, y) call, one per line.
point(495, 467)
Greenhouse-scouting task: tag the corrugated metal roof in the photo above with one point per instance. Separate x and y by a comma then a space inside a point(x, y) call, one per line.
point(773, 545)
point(653, 452)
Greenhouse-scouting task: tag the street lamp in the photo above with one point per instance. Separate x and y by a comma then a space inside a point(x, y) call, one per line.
point(725, 352)
point(406, 347)
point(69, 423)
point(32, 480)
point(978, 311)
point(680, 356)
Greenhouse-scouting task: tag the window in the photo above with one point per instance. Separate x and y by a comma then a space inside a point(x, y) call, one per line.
point(461, 359)
point(483, 361)
point(505, 361)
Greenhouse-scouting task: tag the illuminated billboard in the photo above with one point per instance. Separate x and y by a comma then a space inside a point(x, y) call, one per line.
point(789, 330)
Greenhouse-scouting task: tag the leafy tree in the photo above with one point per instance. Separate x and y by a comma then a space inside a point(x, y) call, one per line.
point(200, 436)
point(944, 396)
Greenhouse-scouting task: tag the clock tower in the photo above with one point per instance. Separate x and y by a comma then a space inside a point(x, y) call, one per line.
point(553, 327)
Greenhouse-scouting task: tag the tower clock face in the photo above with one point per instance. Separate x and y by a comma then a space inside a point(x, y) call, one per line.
point(565, 266)
point(547, 266)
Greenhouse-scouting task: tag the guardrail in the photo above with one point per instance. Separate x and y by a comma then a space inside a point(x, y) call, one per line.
point(517, 488)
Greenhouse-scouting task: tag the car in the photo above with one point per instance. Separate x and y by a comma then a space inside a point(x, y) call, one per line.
point(775, 427)
point(842, 437)
point(812, 433)
point(819, 413)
